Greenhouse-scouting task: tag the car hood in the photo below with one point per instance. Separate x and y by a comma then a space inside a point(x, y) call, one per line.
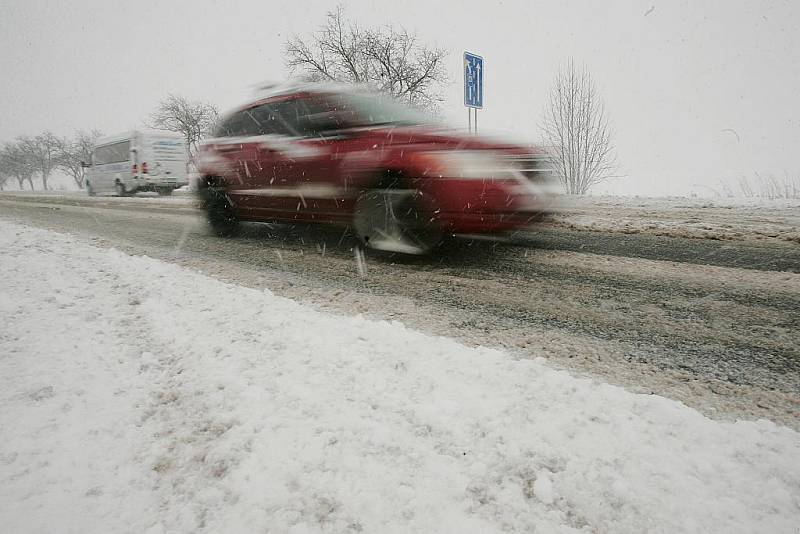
point(432, 138)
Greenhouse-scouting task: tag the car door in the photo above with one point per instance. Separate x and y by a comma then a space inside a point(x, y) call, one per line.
point(309, 169)
point(273, 184)
point(236, 144)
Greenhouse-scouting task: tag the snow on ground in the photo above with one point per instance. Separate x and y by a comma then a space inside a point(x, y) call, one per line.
point(752, 219)
point(179, 196)
point(138, 396)
point(723, 218)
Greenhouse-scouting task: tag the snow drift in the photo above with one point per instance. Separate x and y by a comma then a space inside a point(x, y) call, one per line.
point(139, 396)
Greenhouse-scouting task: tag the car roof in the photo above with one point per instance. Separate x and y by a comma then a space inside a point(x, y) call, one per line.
point(276, 92)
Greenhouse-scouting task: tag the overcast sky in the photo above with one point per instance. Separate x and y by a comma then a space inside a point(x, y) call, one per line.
point(698, 91)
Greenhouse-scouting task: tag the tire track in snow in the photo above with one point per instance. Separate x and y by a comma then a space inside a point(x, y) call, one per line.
point(678, 329)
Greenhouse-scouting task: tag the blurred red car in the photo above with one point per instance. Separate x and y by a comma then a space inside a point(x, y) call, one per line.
point(334, 155)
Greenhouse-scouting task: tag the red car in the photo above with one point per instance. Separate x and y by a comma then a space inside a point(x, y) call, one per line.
point(334, 155)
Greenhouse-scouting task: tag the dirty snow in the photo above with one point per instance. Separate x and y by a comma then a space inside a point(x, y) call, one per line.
point(138, 396)
point(723, 218)
point(737, 219)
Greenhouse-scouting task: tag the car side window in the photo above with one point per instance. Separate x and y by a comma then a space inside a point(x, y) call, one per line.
point(307, 117)
point(290, 113)
point(265, 121)
point(320, 116)
point(294, 118)
point(231, 127)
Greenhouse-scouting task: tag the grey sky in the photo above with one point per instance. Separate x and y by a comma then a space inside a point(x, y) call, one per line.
point(698, 91)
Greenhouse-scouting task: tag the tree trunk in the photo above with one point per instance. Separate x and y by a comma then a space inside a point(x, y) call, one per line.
point(30, 181)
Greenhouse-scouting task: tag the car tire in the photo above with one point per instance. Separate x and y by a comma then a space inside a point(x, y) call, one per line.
point(90, 190)
point(119, 188)
point(395, 220)
point(164, 191)
point(219, 213)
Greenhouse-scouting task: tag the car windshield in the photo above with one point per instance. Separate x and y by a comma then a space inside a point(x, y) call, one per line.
point(369, 110)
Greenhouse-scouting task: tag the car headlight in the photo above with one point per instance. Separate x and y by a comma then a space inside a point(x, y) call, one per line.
point(472, 165)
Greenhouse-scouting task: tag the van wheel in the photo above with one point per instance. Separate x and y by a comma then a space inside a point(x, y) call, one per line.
point(219, 212)
point(119, 187)
point(90, 190)
point(395, 220)
point(164, 191)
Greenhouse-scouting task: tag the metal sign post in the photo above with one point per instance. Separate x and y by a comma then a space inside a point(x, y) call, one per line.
point(473, 86)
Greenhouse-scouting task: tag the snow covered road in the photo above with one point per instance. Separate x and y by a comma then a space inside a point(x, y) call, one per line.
point(721, 339)
point(141, 396)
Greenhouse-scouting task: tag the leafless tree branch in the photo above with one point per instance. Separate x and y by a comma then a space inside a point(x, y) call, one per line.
point(41, 152)
point(389, 58)
point(579, 134)
point(193, 119)
point(16, 162)
point(72, 153)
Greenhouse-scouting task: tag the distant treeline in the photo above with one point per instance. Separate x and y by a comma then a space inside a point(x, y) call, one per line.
point(29, 157)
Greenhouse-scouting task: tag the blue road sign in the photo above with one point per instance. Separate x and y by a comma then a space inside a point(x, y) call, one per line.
point(473, 80)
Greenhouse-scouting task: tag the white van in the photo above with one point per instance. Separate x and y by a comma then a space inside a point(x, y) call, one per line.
point(138, 161)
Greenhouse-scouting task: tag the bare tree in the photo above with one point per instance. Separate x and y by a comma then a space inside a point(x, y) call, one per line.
point(578, 131)
point(74, 152)
point(42, 151)
point(16, 162)
point(770, 186)
point(389, 58)
point(193, 119)
point(6, 171)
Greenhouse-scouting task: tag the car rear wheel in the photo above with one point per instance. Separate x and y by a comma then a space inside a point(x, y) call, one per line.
point(219, 212)
point(395, 220)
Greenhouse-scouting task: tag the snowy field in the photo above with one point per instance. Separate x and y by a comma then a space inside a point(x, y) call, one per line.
point(752, 219)
point(142, 397)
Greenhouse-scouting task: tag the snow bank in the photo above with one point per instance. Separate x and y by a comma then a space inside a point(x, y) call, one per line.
point(669, 202)
point(723, 219)
point(138, 396)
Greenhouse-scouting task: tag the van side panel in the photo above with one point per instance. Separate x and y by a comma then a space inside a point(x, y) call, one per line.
point(166, 157)
point(111, 162)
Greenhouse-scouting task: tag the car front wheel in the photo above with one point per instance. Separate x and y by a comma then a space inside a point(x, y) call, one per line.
point(219, 212)
point(395, 220)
